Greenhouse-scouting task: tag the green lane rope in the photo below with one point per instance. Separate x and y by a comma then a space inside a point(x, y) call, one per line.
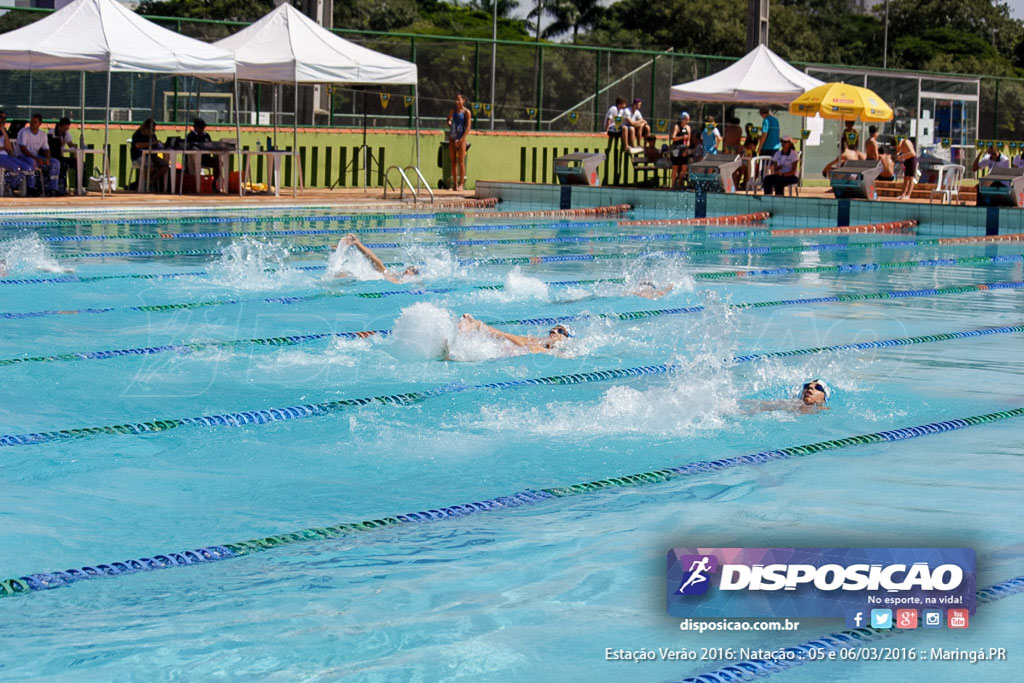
point(33, 583)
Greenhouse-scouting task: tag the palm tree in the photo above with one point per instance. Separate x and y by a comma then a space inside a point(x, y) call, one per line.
point(567, 15)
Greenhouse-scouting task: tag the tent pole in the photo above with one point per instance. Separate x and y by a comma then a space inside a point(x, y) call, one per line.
point(296, 161)
point(274, 97)
point(81, 128)
point(366, 150)
point(238, 141)
point(106, 135)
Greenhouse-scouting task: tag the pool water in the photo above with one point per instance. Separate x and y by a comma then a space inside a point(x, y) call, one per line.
point(536, 591)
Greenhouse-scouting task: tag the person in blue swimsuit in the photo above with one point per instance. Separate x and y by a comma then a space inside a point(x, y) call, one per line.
point(459, 124)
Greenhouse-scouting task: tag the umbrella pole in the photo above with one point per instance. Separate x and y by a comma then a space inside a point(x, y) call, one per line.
point(106, 139)
point(296, 161)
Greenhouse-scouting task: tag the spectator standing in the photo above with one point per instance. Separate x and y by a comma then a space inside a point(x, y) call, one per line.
point(732, 136)
point(783, 168)
point(770, 141)
point(710, 136)
point(907, 155)
point(34, 148)
point(460, 122)
point(680, 150)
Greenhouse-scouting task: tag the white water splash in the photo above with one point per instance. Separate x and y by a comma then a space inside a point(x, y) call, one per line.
point(28, 253)
point(254, 264)
point(516, 287)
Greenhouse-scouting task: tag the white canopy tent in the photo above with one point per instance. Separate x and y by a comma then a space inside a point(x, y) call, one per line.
point(105, 36)
point(287, 47)
point(760, 77)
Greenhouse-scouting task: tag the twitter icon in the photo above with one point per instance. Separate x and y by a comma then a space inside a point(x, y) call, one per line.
point(881, 618)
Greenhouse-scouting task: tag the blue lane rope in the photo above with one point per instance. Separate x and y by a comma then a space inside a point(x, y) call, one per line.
point(797, 655)
point(265, 416)
point(33, 583)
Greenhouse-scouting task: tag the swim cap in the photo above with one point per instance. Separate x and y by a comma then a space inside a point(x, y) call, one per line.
point(825, 387)
point(569, 332)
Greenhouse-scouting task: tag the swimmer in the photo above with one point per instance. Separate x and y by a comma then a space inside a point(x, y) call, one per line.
point(556, 334)
point(649, 290)
point(350, 240)
point(813, 397)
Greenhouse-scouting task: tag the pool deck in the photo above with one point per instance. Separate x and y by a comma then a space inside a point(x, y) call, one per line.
point(354, 198)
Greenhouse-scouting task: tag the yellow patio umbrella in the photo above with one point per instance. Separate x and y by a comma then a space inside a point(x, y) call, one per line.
point(842, 101)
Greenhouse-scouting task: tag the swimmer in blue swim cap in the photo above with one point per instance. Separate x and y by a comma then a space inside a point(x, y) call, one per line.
point(556, 335)
point(350, 240)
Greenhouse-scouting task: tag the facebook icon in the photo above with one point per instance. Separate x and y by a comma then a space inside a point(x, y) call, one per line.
point(855, 619)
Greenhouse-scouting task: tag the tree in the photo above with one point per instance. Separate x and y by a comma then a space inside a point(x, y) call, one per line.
point(569, 15)
point(505, 7)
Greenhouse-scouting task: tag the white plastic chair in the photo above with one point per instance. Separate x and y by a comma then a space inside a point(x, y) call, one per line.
point(757, 169)
point(947, 185)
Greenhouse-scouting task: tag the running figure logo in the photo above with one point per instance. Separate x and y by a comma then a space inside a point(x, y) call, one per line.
point(696, 580)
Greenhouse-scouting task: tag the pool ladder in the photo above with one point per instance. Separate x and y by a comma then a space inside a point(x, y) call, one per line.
point(421, 183)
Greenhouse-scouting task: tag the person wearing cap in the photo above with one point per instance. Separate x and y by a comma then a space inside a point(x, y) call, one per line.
point(556, 335)
point(783, 168)
point(815, 393)
point(350, 240)
point(770, 141)
point(640, 129)
point(198, 138)
point(680, 150)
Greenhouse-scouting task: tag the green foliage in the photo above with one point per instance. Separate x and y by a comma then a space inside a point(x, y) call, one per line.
point(229, 10)
point(698, 26)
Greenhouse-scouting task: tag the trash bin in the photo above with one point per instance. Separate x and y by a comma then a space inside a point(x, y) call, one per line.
point(444, 162)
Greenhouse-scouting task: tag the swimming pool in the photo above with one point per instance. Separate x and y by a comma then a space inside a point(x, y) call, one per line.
point(238, 394)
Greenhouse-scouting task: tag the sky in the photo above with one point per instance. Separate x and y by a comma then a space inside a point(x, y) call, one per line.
point(1016, 8)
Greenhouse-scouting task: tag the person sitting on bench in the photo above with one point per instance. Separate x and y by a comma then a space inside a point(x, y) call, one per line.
point(198, 138)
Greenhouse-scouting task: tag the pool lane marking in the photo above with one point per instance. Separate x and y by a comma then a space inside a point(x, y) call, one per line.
point(394, 209)
point(185, 348)
point(532, 260)
point(32, 583)
point(555, 258)
point(268, 415)
point(611, 210)
point(797, 655)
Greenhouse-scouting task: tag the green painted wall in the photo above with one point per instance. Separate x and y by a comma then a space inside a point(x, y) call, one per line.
point(327, 153)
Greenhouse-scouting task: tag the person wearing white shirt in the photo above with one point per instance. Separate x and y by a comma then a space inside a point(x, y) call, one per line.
point(993, 158)
point(783, 168)
point(616, 120)
point(639, 128)
point(10, 164)
point(34, 147)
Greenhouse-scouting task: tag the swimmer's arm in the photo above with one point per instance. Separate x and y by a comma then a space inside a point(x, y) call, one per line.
point(374, 260)
point(469, 322)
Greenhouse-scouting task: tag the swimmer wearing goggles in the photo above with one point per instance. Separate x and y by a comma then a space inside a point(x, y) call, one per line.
point(556, 335)
point(815, 393)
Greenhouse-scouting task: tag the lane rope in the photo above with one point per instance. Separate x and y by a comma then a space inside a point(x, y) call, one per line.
point(33, 583)
point(265, 416)
point(797, 655)
point(612, 210)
